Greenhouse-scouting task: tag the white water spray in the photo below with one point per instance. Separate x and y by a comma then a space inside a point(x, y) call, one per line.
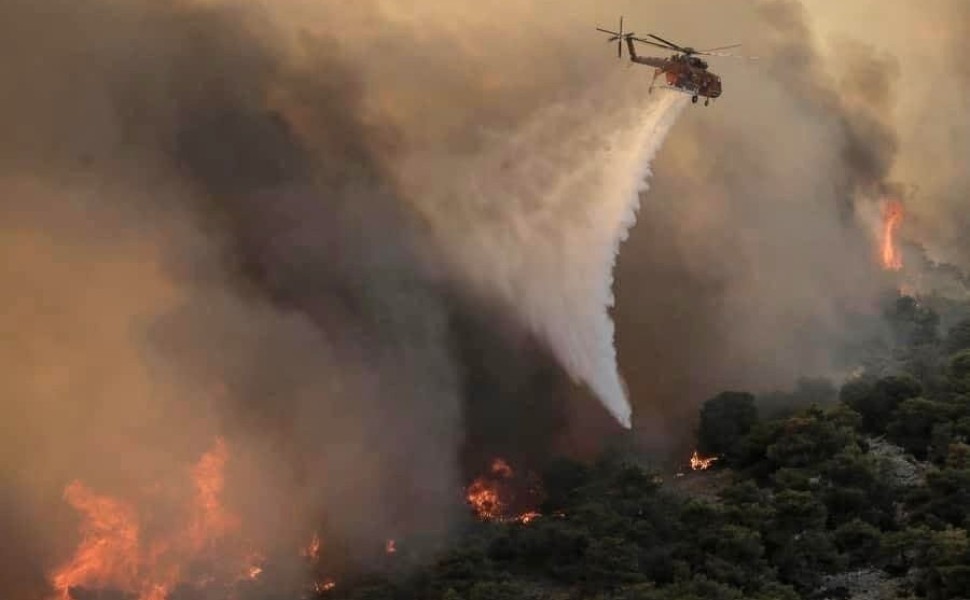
point(536, 219)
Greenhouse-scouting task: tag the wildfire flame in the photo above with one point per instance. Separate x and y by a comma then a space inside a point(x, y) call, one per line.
point(485, 495)
point(892, 216)
point(312, 550)
point(700, 463)
point(114, 552)
point(390, 547)
point(109, 548)
point(484, 499)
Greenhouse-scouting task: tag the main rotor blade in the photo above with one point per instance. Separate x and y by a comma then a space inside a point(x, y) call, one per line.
point(726, 55)
point(607, 31)
point(619, 48)
point(671, 44)
point(653, 43)
point(718, 48)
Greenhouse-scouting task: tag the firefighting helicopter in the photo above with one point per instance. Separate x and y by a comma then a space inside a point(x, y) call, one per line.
point(683, 71)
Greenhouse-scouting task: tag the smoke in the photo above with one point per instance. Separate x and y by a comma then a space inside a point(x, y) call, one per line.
point(347, 237)
point(215, 229)
point(185, 266)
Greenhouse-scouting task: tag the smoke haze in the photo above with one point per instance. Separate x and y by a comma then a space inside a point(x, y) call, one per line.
point(363, 242)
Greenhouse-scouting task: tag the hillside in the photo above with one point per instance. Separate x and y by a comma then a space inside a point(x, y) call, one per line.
point(864, 496)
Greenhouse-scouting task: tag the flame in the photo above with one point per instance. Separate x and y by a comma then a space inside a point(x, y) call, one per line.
point(324, 586)
point(487, 495)
point(312, 550)
point(484, 499)
point(254, 566)
point(500, 468)
point(108, 550)
point(699, 463)
point(211, 520)
point(892, 216)
point(114, 552)
point(390, 547)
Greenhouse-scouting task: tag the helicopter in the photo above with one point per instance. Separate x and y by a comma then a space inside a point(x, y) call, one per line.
point(683, 71)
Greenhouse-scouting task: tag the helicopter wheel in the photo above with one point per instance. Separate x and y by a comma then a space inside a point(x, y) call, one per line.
point(694, 99)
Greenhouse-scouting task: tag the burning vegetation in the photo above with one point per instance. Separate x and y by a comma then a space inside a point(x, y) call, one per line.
point(499, 495)
point(124, 550)
point(701, 463)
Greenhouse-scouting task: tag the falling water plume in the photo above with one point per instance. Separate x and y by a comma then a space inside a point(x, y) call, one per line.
point(543, 213)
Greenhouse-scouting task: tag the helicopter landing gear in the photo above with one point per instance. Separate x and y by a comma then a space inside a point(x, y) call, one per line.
point(693, 99)
point(707, 101)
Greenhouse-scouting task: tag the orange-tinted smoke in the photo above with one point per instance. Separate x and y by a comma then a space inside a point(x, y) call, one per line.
point(892, 216)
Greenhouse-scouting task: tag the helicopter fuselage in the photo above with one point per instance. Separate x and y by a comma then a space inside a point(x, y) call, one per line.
point(686, 73)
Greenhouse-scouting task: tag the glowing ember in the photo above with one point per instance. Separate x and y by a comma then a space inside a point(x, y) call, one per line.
point(324, 586)
point(699, 463)
point(892, 216)
point(115, 554)
point(390, 547)
point(526, 518)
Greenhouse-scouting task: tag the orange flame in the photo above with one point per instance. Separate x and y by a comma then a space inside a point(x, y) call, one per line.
point(114, 554)
point(892, 216)
point(324, 586)
point(699, 463)
point(108, 552)
point(485, 495)
point(312, 550)
point(484, 499)
point(501, 468)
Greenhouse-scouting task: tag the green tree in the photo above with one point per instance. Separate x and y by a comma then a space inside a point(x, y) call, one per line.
point(946, 498)
point(913, 422)
point(912, 323)
point(725, 420)
point(958, 337)
point(859, 541)
point(877, 400)
point(959, 371)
